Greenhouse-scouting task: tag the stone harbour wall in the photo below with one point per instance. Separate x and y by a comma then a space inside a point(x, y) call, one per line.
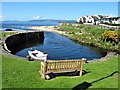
point(17, 42)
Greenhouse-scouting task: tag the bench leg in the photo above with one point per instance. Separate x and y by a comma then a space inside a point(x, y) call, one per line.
point(80, 72)
point(43, 74)
point(43, 69)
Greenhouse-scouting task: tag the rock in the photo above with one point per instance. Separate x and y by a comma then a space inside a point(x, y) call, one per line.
point(8, 30)
point(108, 56)
point(47, 77)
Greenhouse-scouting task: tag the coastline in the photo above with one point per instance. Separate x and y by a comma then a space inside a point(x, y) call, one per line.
point(47, 28)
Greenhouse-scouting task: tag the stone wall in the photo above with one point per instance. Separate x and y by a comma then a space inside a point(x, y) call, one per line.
point(20, 41)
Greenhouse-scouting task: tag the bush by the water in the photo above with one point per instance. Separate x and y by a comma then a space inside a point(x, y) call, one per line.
point(111, 36)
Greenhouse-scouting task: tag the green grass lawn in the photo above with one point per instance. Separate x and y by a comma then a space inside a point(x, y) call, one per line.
point(0, 71)
point(18, 73)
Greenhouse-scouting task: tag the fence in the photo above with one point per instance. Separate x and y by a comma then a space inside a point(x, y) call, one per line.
point(108, 26)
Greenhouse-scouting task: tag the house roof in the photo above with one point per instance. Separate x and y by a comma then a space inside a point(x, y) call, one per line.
point(115, 17)
point(84, 18)
point(100, 16)
point(95, 17)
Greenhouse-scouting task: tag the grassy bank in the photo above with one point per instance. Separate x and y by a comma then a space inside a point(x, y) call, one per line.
point(5, 34)
point(89, 35)
point(18, 73)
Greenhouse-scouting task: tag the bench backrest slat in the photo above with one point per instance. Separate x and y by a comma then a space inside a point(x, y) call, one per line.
point(64, 65)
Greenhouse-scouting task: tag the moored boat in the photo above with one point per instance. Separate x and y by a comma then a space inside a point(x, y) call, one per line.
point(37, 55)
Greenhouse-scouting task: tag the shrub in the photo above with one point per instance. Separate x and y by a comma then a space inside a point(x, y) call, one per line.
point(118, 32)
point(71, 32)
point(111, 36)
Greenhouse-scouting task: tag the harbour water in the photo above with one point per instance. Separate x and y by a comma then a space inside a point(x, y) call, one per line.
point(59, 48)
point(56, 46)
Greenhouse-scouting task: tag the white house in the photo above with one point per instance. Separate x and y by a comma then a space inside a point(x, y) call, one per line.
point(81, 20)
point(113, 20)
point(116, 20)
point(97, 19)
point(90, 19)
point(85, 20)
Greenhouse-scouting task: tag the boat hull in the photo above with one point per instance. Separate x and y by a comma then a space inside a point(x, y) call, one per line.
point(37, 55)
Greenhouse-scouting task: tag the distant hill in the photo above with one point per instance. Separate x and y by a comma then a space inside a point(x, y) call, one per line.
point(43, 20)
point(11, 21)
point(52, 20)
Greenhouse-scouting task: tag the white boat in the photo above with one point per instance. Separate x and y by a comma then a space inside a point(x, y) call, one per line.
point(37, 55)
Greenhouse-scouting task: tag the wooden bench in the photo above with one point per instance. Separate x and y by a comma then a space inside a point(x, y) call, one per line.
point(56, 66)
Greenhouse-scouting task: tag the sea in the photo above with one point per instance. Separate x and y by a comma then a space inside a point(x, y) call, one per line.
point(24, 25)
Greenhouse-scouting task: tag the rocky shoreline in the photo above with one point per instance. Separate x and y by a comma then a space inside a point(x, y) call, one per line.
point(108, 56)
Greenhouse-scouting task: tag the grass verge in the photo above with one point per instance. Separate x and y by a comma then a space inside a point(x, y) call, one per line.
point(0, 71)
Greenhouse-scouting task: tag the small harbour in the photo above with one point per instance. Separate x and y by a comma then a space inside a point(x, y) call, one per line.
point(56, 46)
point(61, 48)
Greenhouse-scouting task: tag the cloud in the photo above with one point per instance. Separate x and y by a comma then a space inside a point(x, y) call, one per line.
point(36, 18)
point(40, 17)
point(113, 15)
point(44, 18)
point(1, 16)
